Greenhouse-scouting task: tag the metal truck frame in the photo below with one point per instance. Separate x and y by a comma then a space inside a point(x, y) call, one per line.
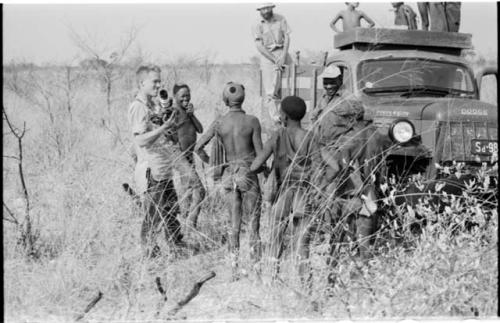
point(418, 89)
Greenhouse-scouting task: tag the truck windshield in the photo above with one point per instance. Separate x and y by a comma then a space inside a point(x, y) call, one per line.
point(414, 77)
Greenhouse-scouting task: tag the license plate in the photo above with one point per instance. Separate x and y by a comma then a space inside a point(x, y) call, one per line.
point(484, 147)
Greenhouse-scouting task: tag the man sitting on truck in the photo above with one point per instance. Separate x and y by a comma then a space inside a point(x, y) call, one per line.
point(332, 82)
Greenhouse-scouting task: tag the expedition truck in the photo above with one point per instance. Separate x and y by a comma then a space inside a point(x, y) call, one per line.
point(417, 88)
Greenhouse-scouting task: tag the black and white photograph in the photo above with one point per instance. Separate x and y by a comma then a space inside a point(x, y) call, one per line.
point(250, 161)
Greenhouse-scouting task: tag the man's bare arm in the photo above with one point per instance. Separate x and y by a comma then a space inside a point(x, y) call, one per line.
point(256, 136)
point(334, 21)
point(204, 140)
point(263, 155)
point(197, 124)
point(368, 19)
point(264, 51)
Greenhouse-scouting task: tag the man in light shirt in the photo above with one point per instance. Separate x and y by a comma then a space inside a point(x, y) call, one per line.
point(272, 39)
point(156, 150)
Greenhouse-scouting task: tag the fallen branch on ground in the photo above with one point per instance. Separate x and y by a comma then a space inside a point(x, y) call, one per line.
point(163, 293)
point(192, 294)
point(90, 306)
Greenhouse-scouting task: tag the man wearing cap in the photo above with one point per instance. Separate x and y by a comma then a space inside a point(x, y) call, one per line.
point(332, 82)
point(292, 148)
point(240, 134)
point(272, 39)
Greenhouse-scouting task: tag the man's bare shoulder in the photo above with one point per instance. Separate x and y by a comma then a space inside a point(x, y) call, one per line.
point(252, 118)
point(342, 13)
point(358, 13)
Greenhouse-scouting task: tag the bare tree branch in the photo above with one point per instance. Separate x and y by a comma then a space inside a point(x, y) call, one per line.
point(13, 157)
point(14, 219)
point(27, 233)
point(105, 63)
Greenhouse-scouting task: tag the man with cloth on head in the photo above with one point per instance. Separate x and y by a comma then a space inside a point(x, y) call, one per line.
point(240, 134)
point(272, 39)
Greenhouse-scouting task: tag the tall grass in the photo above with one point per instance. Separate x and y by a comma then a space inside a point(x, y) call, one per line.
point(89, 231)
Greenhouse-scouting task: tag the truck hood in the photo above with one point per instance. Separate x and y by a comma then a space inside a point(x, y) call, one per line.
point(432, 109)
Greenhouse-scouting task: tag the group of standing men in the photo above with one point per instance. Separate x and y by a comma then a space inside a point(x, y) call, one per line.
point(435, 16)
point(170, 143)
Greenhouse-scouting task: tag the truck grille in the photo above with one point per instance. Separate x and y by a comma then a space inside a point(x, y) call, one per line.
point(454, 140)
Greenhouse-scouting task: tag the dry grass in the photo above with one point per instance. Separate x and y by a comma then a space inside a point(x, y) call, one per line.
point(89, 233)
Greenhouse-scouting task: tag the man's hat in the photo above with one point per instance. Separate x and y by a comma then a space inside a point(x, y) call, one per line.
point(330, 72)
point(233, 94)
point(265, 5)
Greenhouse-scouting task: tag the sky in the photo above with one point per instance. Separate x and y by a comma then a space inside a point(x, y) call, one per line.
point(39, 33)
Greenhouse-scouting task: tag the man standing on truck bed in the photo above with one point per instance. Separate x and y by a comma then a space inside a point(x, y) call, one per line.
point(441, 16)
point(351, 18)
point(404, 15)
point(272, 39)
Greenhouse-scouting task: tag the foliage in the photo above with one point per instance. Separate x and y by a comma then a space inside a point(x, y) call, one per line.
point(89, 228)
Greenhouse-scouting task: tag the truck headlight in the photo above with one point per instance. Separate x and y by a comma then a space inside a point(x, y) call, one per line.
point(402, 131)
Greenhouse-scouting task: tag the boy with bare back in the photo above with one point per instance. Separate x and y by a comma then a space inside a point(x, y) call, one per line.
point(351, 18)
point(292, 148)
point(240, 134)
point(188, 126)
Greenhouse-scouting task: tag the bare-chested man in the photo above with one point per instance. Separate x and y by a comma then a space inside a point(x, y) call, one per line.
point(187, 127)
point(241, 137)
point(292, 148)
point(351, 18)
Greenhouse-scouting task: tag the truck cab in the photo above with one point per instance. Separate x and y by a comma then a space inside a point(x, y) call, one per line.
point(418, 89)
